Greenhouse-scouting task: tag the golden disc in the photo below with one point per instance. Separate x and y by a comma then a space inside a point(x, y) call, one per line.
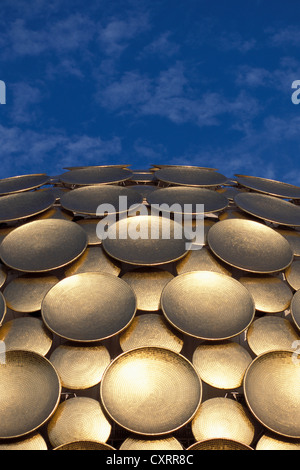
point(295, 309)
point(90, 227)
point(26, 204)
point(87, 199)
point(29, 392)
point(3, 275)
point(80, 366)
point(271, 389)
point(85, 307)
point(271, 333)
point(221, 365)
point(293, 237)
point(250, 246)
point(207, 305)
point(190, 176)
point(151, 391)
point(133, 443)
point(270, 208)
point(3, 307)
point(270, 442)
point(43, 245)
point(187, 200)
point(95, 175)
point(268, 186)
point(183, 166)
point(292, 274)
point(27, 334)
point(94, 259)
point(201, 260)
point(147, 285)
point(33, 442)
point(22, 183)
point(85, 445)
point(94, 166)
point(56, 212)
point(270, 294)
point(145, 240)
point(25, 293)
point(78, 419)
point(223, 418)
point(219, 444)
point(150, 330)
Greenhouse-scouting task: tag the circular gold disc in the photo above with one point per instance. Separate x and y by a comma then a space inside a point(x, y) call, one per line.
point(145, 240)
point(270, 294)
point(34, 442)
point(94, 166)
point(94, 259)
point(26, 204)
point(250, 246)
point(190, 176)
point(221, 365)
point(293, 237)
point(292, 274)
point(268, 186)
point(270, 208)
point(271, 389)
point(95, 175)
point(27, 334)
point(201, 260)
point(22, 183)
point(187, 200)
point(85, 445)
point(78, 419)
point(150, 330)
point(80, 366)
point(29, 392)
point(219, 444)
point(147, 285)
point(3, 275)
point(133, 443)
point(25, 293)
point(85, 307)
point(207, 305)
point(151, 391)
point(269, 442)
point(55, 212)
point(43, 245)
point(295, 309)
point(223, 418)
point(87, 199)
point(3, 307)
point(271, 333)
point(90, 227)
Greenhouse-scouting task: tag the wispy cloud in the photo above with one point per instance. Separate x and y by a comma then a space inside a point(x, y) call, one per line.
point(25, 96)
point(289, 35)
point(163, 46)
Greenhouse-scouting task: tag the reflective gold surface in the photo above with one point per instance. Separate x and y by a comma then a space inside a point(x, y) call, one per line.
point(185, 199)
point(151, 391)
point(268, 186)
point(293, 237)
point(270, 208)
point(27, 334)
point(221, 365)
point(250, 246)
point(201, 260)
point(295, 309)
point(271, 388)
point(207, 305)
point(137, 247)
point(43, 245)
point(78, 419)
point(22, 183)
point(28, 382)
point(147, 285)
point(3, 275)
point(3, 307)
point(150, 330)
point(270, 294)
point(270, 442)
point(134, 443)
point(25, 293)
point(21, 205)
point(80, 366)
point(190, 176)
point(271, 333)
point(223, 418)
point(219, 444)
point(84, 445)
point(33, 442)
point(90, 227)
point(95, 175)
point(292, 274)
point(94, 259)
point(84, 307)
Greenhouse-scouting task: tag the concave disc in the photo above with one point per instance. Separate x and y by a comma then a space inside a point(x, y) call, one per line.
point(295, 309)
point(95, 175)
point(85, 445)
point(133, 443)
point(268, 186)
point(22, 183)
point(189, 176)
point(33, 442)
point(219, 444)
point(26, 204)
point(3, 307)
point(270, 294)
point(272, 442)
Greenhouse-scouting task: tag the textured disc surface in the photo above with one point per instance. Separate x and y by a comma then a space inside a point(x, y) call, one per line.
point(34, 442)
point(268, 186)
point(78, 419)
point(190, 176)
point(270, 294)
point(271, 389)
point(43, 245)
point(85, 445)
point(80, 366)
point(90, 227)
point(271, 333)
point(292, 274)
point(219, 444)
point(151, 391)
point(269, 442)
point(85, 307)
point(133, 443)
point(207, 305)
point(27, 334)
point(145, 240)
point(26, 204)
point(223, 418)
point(28, 382)
point(3, 307)
point(250, 246)
point(293, 237)
point(221, 365)
point(295, 309)
point(270, 208)
point(201, 260)
point(95, 175)
point(21, 183)
point(150, 330)
point(3, 275)
point(94, 259)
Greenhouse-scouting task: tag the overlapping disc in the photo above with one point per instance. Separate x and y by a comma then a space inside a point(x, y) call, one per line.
point(295, 309)
point(201, 259)
point(207, 305)
point(3, 307)
point(85, 307)
point(29, 392)
point(94, 259)
point(43, 245)
point(270, 441)
point(3, 275)
point(268, 186)
point(190, 176)
point(18, 206)
point(219, 444)
point(22, 183)
point(151, 391)
point(270, 293)
point(89, 225)
point(134, 443)
point(293, 237)
point(95, 175)
point(292, 274)
point(32, 442)
point(250, 246)
point(271, 388)
point(84, 445)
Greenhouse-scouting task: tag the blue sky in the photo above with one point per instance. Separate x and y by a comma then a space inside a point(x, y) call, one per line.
point(145, 82)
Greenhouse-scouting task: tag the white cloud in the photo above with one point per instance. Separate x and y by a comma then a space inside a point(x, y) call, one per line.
point(162, 46)
point(24, 97)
